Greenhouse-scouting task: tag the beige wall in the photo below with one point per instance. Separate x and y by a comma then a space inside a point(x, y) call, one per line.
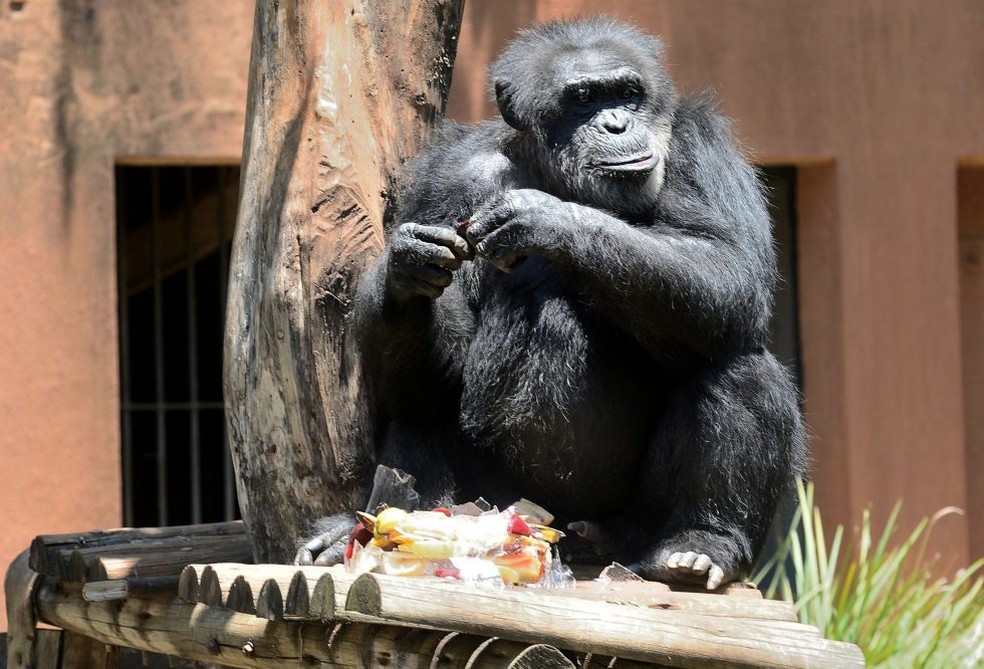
point(878, 101)
point(79, 89)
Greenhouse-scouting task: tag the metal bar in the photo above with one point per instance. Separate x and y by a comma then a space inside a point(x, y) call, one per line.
point(155, 196)
point(195, 451)
point(228, 473)
point(124, 341)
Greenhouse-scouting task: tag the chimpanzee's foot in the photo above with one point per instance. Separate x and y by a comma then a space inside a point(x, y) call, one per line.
point(696, 557)
point(691, 567)
point(327, 547)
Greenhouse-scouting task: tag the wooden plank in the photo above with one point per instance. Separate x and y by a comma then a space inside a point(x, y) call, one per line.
point(298, 602)
point(161, 623)
point(734, 603)
point(104, 591)
point(47, 550)
point(741, 602)
point(188, 584)
point(270, 603)
point(322, 605)
point(640, 634)
point(209, 590)
point(592, 661)
point(131, 534)
point(675, 638)
point(240, 596)
point(588, 575)
point(328, 588)
point(216, 583)
point(137, 553)
point(165, 563)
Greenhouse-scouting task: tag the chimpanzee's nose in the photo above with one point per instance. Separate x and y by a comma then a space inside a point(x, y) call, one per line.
point(615, 121)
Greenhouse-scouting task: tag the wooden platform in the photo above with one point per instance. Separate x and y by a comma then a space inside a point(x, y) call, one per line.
point(131, 588)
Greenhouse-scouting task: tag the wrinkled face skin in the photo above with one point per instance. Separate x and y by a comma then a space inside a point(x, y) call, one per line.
point(608, 138)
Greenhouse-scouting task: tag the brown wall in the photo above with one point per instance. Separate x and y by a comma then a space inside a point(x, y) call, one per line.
point(83, 84)
point(877, 101)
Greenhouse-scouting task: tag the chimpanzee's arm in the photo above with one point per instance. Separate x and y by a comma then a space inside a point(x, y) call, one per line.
point(411, 314)
point(698, 271)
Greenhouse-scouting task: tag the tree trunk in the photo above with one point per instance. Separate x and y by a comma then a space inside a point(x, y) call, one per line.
point(341, 93)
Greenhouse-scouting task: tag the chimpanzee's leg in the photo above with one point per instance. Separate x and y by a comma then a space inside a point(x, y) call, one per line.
point(730, 446)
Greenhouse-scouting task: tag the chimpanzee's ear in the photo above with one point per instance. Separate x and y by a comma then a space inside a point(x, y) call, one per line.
point(505, 99)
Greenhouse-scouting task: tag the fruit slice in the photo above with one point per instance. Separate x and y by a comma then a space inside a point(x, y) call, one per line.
point(435, 549)
point(395, 563)
point(387, 520)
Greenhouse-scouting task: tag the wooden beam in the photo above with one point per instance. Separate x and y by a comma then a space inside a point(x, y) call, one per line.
point(311, 593)
point(673, 638)
point(681, 628)
point(138, 552)
point(161, 623)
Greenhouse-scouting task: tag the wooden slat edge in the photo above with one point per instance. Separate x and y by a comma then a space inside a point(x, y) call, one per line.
point(638, 633)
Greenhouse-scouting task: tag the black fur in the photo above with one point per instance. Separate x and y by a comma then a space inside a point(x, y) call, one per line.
point(597, 343)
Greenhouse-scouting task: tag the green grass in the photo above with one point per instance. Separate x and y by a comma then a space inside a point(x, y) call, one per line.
point(879, 592)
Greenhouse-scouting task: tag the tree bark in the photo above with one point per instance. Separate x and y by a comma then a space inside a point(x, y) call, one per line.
point(341, 93)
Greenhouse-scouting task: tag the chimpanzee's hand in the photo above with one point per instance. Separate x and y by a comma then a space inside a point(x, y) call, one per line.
point(422, 259)
point(327, 546)
point(517, 224)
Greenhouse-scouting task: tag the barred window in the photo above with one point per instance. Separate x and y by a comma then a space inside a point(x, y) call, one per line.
point(174, 232)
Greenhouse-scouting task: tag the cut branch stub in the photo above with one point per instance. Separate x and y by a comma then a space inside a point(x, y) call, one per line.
point(341, 93)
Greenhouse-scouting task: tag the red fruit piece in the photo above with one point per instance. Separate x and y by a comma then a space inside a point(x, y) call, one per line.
point(445, 511)
point(462, 225)
point(518, 526)
point(360, 534)
point(447, 572)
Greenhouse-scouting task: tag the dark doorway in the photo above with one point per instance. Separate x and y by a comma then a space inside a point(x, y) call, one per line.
point(784, 335)
point(174, 226)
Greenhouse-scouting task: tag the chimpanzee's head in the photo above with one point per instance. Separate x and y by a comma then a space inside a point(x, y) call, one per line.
point(593, 106)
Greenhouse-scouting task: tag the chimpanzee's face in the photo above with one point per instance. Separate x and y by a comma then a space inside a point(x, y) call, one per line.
point(608, 136)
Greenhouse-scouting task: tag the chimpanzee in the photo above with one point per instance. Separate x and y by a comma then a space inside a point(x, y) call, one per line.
point(573, 307)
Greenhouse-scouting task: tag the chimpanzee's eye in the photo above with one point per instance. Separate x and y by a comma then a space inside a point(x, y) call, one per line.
point(583, 94)
point(629, 92)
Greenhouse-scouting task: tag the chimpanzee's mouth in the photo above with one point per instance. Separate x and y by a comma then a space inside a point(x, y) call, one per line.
point(639, 163)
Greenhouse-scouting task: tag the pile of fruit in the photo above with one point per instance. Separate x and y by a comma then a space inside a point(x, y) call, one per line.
point(508, 545)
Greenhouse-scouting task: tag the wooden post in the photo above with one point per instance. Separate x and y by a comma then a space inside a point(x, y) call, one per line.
point(341, 93)
point(18, 588)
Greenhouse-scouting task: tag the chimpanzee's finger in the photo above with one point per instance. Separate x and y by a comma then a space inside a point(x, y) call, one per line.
point(415, 251)
point(433, 275)
point(333, 554)
point(588, 531)
point(488, 219)
point(441, 236)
